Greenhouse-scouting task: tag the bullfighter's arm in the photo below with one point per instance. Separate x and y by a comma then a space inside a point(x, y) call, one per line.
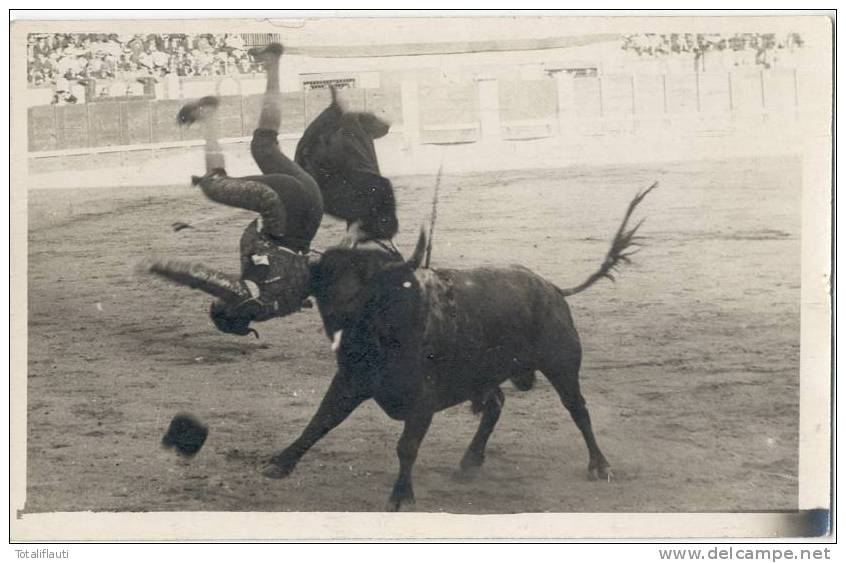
point(317, 133)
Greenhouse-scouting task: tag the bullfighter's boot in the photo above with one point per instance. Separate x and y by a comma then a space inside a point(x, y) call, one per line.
point(266, 54)
point(197, 111)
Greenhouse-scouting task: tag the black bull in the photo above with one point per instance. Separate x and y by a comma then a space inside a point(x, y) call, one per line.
point(418, 341)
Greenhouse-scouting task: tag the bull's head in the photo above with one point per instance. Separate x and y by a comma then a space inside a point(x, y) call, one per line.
point(348, 284)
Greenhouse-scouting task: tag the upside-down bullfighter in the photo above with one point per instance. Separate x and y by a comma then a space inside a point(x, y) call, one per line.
point(337, 148)
point(274, 249)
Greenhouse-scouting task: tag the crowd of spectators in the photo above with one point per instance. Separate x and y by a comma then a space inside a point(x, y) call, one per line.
point(80, 56)
point(762, 48)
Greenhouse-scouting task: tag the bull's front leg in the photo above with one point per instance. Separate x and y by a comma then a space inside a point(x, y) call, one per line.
point(416, 426)
point(344, 395)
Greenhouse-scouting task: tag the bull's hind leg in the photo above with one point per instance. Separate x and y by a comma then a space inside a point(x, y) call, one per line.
point(342, 398)
point(566, 383)
point(475, 454)
point(416, 426)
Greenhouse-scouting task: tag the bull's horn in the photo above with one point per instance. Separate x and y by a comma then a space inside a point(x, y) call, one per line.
point(314, 258)
point(197, 276)
point(419, 251)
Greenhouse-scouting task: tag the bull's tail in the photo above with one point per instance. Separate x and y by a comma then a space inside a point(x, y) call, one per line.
point(623, 240)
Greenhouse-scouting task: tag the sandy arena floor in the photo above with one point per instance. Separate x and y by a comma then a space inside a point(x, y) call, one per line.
point(691, 360)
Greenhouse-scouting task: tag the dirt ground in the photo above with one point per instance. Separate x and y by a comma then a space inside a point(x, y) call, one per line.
point(691, 360)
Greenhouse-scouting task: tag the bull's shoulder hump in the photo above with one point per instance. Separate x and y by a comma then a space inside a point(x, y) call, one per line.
point(509, 271)
point(514, 272)
point(485, 269)
point(431, 282)
point(483, 279)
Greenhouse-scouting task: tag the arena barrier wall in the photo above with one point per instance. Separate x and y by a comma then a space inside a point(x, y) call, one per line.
point(446, 111)
point(589, 118)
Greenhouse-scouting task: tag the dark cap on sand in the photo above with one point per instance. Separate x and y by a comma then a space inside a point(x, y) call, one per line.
point(186, 434)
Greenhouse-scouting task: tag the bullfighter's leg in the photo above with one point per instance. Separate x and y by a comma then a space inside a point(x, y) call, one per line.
point(475, 454)
point(265, 145)
point(342, 398)
point(567, 386)
point(204, 112)
point(271, 112)
point(416, 426)
point(247, 194)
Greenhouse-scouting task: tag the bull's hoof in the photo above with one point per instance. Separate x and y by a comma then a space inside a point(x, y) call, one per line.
point(471, 466)
point(193, 112)
point(469, 472)
point(266, 53)
point(402, 496)
point(600, 473)
point(278, 469)
point(400, 504)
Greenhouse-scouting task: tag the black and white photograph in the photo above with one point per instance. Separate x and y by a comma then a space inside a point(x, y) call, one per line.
point(444, 264)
